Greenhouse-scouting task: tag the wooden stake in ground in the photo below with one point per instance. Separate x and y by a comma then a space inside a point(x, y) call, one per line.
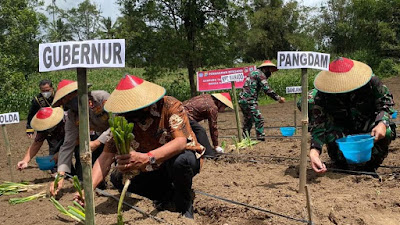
point(304, 130)
point(8, 148)
point(236, 108)
point(294, 113)
point(309, 206)
point(84, 149)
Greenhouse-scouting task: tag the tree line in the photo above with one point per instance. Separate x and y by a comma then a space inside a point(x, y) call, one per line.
point(166, 35)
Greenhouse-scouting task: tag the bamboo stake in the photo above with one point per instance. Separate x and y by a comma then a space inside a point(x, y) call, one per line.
point(309, 206)
point(295, 112)
point(8, 148)
point(84, 149)
point(236, 108)
point(304, 130)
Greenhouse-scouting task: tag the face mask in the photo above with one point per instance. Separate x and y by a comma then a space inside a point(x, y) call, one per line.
point(137, 116)
point(72, 105)
point(268, 74)
point(47, 94)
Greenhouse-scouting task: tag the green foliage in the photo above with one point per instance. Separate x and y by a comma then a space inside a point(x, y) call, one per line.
point(387, 68)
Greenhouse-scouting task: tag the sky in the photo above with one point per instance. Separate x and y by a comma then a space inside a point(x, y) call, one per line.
point(109, 8)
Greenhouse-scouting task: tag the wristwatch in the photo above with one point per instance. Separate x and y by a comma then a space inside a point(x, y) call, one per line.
point(152, 162)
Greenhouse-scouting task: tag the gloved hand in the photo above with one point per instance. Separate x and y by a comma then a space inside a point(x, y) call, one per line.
point(219, 149)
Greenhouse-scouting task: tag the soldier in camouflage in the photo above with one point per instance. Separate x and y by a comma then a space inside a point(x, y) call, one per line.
point(350, 100)
point(248, 98)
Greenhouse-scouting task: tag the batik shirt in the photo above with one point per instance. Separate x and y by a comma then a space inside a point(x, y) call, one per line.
point(203, 107)
point(253, 84)
point(355, 112)
point(167, 121)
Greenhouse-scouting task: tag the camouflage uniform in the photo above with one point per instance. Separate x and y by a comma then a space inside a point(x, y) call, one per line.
point(334, 116)
point(248, 101)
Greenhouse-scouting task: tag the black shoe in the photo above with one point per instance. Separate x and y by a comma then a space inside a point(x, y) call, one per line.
point(164, 205)
point(189, 213)
point(261, 138)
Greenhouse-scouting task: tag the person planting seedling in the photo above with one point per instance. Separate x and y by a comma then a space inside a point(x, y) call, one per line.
point(67, 96)
point(207, 107)
point(167, 152)
point(349, 100)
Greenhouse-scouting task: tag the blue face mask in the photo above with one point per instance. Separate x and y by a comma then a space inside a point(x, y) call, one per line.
point(47, 94)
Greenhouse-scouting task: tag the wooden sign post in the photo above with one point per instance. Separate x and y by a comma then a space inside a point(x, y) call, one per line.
point(294, 90)
point(8, 118)
point(232, 78)
point(303, 60)
point(82, 55)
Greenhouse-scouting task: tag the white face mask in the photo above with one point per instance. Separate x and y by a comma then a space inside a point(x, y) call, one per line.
point(47, 94)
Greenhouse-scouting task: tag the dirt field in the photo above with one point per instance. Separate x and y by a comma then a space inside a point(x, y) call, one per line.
point(265, 182)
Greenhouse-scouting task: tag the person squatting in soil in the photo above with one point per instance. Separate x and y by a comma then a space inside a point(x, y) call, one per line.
point(248, 98)
point(47, 122)
point(349, 100)
point(206, 107)
point(43, 99)
point(166, 149)
point(98, 124)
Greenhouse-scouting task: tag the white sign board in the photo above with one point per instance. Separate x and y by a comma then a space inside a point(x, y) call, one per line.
point(293, 90)
point(296, 60)
point(8, 118)
point(84, 54)
point(237, 77)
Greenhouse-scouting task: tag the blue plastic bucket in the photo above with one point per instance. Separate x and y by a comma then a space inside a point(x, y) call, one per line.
point(356, 148)
point(287, 131)
point(394, 115)
point(45, 163)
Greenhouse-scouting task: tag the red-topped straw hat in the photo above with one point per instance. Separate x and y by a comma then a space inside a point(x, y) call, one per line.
point(268, 63)
point(64, 88)
point(47, 118)
point(133, 93)
point(344, 75)
point(224, 98)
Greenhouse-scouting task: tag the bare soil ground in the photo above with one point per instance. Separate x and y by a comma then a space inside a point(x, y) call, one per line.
point(268, 183)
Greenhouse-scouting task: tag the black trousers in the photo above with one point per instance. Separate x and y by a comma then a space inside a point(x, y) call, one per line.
point(202, 137)
point(95, 154)
point(171, 182)
point(54, 144)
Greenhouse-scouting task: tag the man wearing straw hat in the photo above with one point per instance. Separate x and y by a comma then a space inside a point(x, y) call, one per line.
point(47, 122)
point(350, 100)
point(166, 150)
point(248, 98)
point(67, 96)
point(206, 107)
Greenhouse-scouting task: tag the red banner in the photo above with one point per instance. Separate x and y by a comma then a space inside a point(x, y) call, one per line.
point(211, 80)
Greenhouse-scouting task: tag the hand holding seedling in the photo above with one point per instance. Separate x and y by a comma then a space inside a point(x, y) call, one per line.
point(132, 161)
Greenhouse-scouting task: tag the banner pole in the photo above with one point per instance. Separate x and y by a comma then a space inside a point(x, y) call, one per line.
point(84, 149)
point(8, 149)
point(304, 130)
point(236, 108)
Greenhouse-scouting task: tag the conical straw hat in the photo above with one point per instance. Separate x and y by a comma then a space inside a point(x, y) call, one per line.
point(268, 63)
point(133, 93)
point(64, 88)
point(344, 75)
point(47, 118)
point(224, 98)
